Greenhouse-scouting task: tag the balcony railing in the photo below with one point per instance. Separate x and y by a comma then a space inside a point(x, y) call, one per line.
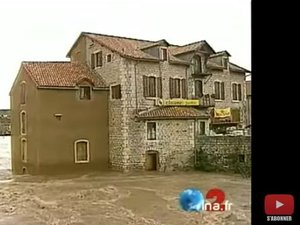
point(207, 101)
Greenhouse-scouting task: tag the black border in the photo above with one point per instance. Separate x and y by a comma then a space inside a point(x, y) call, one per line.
point(275, 165)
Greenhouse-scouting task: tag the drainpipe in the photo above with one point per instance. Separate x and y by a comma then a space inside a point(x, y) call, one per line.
point(195, 149)
point(135, 83)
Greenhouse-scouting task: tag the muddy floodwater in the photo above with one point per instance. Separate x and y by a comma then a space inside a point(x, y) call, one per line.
point(115, 198)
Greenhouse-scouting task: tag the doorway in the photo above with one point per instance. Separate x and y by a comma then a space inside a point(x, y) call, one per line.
point(152, 160)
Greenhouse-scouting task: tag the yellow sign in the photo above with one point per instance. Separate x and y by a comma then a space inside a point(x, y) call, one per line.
point(178, 102)
point(221, 113)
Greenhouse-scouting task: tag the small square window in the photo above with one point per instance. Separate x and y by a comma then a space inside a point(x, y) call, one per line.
point(85, 92)
point(108, 58)
point(116, 92)
point(151, 131)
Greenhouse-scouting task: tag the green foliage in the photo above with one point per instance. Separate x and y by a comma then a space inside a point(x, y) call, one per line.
point(232, 162)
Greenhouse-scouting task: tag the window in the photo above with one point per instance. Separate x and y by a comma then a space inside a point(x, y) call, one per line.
point(23, 123)
point(178, 88)
point(23, 92)
point(236, 92)
point(151, 131)
point(198, 88)
point(201, 125)
point(85, 92)
point(152, 86)
point(219, 90)
point(108, 58)
point(82, 151)
point(116, 92)
point(196, 65)
point(164, 54)
point(23, 150)
point(225, 62)
point(98, 59)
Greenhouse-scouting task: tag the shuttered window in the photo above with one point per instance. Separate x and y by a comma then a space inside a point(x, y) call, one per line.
point(219, 90)
point(152, 86)
point(178, 88)
point(236, 92)
point(198, 88)
point(99, 59)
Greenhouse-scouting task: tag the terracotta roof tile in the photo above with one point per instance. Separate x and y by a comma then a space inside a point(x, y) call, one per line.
point(124, 46)
point(61, 74)
point(173, 113)
point(187, 48)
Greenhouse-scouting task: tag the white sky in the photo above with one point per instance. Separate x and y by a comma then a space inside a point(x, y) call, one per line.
point(44, 30)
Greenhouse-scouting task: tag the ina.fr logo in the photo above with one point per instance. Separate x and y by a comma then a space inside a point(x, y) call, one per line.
point(191, 199)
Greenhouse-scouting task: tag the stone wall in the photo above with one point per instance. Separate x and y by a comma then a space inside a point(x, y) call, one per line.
point(174, 144)
point(219, 150)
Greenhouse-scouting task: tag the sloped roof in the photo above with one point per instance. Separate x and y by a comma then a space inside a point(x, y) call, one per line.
point(173, 113)
point(133, 48)
point(189, 47)
point(61, 74)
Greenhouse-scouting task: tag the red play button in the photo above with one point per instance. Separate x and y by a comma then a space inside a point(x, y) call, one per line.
point(279, 204)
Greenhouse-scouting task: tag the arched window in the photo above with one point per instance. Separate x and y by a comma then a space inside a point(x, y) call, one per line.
point(82, 151)
point(23, 122)
point(196, 65)
point(24, 150)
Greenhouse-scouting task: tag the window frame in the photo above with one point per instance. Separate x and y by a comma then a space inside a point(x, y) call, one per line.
point(113, 94)
point(87, 149)
point(23, 124)
point(98, 59)
point(83, 87)
point(109, 56)
point(178, 82)
point(157, 87)
point(237, 88)
point(23, 150)
point(155, 128)
point(162, 50)
point(195, 89)
point(221, 90)
point(196, 69)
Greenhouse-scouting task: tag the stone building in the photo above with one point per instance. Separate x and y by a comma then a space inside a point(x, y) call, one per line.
point(160, 97)
point(5, 122)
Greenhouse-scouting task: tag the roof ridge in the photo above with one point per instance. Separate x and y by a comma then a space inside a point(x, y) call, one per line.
point(115, 36)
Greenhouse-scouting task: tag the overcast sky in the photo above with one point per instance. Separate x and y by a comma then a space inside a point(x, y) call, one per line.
point(44, 30)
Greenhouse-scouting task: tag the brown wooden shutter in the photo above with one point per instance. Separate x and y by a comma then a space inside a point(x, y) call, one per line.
point(239, 92)
point(184, 88)
point(93, 61)
point(234, 92)
point(171, 88)
point(217, 90)
point(159, 87)
point(152, 86)
point(146, 86)
point(222, 91)
point(100, 58)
